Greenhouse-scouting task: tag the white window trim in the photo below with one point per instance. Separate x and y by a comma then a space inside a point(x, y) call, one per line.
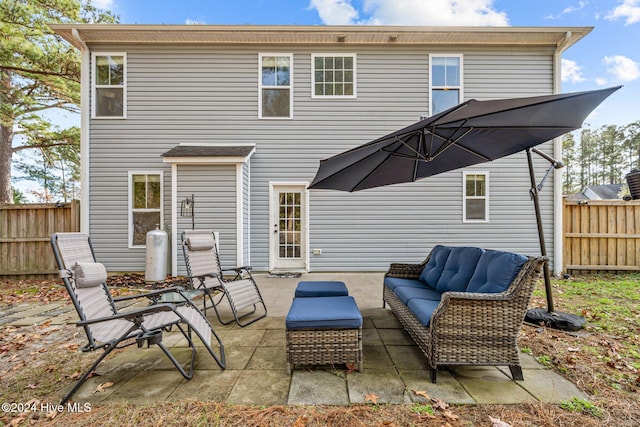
point(130, 207)
point(260, 87)
point(431, 86)
point(93, 85)
point(313, 76)
point(465, 197)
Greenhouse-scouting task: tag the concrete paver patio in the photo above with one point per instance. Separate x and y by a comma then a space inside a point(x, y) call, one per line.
point(256, 374)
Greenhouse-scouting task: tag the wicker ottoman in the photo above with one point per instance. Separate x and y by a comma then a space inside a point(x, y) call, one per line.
point(321, 289)
point(324, 331)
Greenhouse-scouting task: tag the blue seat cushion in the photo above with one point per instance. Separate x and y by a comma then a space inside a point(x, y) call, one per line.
point(495, 271)
point(324, 313)
point(394, 282)
point(407, 293)
point(321, 289)
point(459, 268)
point(434, 267)
point(423, 309)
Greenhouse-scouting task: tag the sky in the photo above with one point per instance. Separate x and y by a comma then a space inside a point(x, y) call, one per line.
point(608, 56)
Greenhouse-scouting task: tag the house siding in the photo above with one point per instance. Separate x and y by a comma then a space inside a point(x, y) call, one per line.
point(208, 94)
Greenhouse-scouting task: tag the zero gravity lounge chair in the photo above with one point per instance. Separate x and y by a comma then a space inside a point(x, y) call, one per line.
point(107, 327)
point(204, 270)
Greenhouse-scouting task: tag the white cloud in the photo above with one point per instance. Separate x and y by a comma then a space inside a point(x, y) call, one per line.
point(412, 12)
point(571, 71)
point(102, 4)
point(601, 81)
point(190, 21)
point(567, 10)
point(335, 12)
point(623, 68)
point(629, 10)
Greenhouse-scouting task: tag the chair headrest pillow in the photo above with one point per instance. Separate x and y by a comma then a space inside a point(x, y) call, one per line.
point(200, 242)
point(89, 274)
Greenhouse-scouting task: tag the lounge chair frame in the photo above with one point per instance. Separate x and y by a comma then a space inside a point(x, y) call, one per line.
point(142, 325)
point(206, 274)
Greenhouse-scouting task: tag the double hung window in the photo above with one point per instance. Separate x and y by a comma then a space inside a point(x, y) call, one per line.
point(109, 85)
point(276, 86)
point(445, 82)
point(145, 205)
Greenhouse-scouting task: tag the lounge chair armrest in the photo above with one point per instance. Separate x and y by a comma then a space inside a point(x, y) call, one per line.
point(239, 269)
point(405, 271)
point(152, 294)
point(203, 276)
point(130, 314)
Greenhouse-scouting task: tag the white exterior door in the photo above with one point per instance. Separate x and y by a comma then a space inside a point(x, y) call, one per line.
point(288, 235)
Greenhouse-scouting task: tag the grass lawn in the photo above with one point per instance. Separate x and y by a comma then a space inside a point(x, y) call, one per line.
point(603, 360)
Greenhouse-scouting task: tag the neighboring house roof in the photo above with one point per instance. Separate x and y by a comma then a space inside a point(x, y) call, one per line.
point(598, 192)
point(80, 34)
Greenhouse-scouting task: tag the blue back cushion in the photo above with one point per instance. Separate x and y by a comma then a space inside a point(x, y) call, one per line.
point(495, 271)
point(433, 268)
point(459, 268)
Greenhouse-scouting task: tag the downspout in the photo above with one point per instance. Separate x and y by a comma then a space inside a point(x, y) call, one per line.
point(558, 235)
point(84, 130)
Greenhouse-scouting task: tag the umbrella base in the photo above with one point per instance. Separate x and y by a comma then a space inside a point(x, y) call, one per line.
point(555, 320)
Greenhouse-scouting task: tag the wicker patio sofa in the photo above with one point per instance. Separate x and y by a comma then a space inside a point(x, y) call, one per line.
point(464, 305)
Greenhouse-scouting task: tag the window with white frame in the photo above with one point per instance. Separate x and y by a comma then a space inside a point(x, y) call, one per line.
point(334, 75)
point(109, 85)
point(276, 86)
point(145, 205)
point(476, 197)
point(445, 82)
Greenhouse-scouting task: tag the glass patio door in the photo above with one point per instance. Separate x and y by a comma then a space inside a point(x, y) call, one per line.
point(288, 234)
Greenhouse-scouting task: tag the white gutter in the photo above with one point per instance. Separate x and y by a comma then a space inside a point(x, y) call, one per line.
point(558, 221)
point(85, 87)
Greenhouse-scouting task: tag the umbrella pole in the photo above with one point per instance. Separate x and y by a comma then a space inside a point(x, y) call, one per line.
point(543, 246)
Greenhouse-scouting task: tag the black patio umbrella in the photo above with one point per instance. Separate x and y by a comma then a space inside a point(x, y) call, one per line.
point(469, 133)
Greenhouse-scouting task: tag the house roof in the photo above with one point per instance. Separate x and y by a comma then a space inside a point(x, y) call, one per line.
point(82, 34)
point(209, 151)
point(604, 192)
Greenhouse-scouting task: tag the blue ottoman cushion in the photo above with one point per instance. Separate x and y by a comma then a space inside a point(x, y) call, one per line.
point(321, 289)
point(324, 313)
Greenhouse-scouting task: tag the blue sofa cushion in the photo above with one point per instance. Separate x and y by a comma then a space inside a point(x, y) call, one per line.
point(407, 293)
point(324, 313)
point(495, 271)
point(394, 282)
point(459, 268)
point(423, 309)
point(434, 267)
point(321, 289)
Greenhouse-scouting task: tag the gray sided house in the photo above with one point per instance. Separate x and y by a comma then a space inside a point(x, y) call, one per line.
point(239, 117)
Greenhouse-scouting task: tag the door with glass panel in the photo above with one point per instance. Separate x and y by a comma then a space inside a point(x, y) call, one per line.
point(288, 228)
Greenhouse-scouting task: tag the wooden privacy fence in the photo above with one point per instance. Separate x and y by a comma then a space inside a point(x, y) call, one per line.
point(25, 233)
point(602, 235)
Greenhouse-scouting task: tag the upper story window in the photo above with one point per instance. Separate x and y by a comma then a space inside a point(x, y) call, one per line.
point(109, 85)
point(334, 75)
point(476, 197)
point(145, 205)
point(276, 86)
point(445, 82)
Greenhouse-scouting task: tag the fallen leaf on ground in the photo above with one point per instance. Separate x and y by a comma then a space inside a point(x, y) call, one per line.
point(497, 422)
point(422, 394)
point(371, 398)
point(102, 386)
